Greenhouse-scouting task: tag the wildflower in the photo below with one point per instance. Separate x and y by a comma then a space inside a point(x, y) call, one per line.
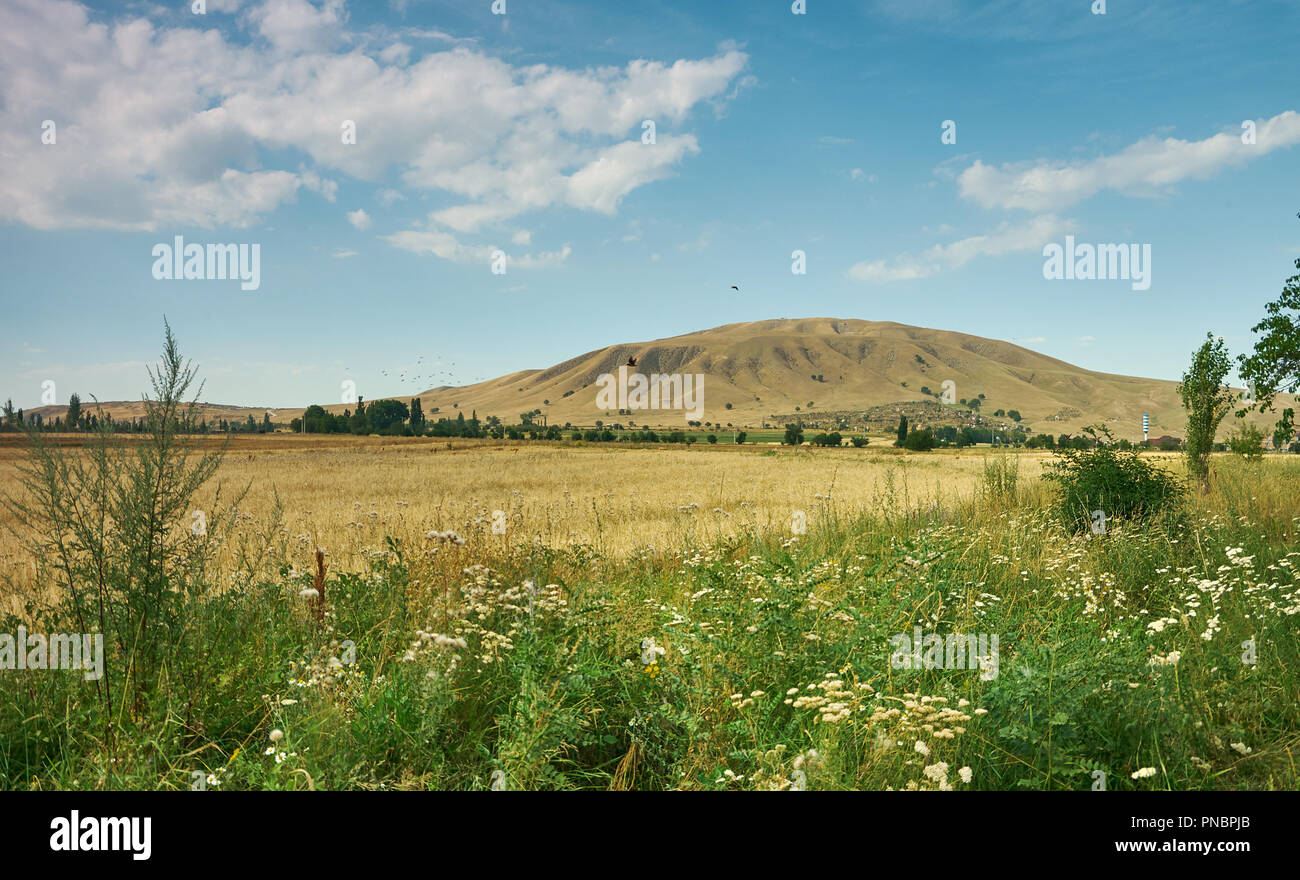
point(277, 735)
point(964, 774)
point(1241, 748)
point(1143, 773)
point(650, 652)
point(936, 773)
point(922, 748)
point(1170, 659)
point(309, 593)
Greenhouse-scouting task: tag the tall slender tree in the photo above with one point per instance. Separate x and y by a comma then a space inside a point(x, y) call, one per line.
point(1207, 401)
point(73, 417)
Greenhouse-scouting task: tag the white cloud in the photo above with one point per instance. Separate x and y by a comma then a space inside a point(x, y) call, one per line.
point(343, 254)
point(359, 218)
point(1006, 239)
point(1145, 168)
point(445, 246)
point(202, 114)
point(295, 26)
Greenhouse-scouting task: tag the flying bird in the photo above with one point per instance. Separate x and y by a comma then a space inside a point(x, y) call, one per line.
point(735, 288)
point(631, 362)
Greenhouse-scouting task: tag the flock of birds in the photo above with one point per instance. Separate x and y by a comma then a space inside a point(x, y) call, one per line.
point(425, 374)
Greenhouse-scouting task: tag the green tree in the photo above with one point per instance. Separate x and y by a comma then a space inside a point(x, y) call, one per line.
point(386, 413)
point(902, 430)
point(1207, 401)
point(73, 417)
point(1274, 365)
point(1284, 433)
point(417, 414)
point(921, 440)
point(793, 434)
point(360, 423)
point(315, 419)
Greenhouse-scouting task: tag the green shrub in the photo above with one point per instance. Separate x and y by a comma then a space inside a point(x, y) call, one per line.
point(1247, 441)
point(1115, 481)
point(920, 441)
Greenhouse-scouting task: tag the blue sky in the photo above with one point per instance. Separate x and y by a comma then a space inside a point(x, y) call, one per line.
point(523, 132)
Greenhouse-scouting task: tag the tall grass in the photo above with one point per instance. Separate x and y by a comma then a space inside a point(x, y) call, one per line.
point(444, 663)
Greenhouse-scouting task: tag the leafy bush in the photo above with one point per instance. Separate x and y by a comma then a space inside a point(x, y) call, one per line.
point(920, 441)
point(1112, 480)
point(1247, 441)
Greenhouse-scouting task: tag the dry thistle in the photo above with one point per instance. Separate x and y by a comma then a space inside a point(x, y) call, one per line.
point(318, 601)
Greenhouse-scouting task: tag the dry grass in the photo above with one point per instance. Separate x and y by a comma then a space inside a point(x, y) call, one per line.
point(346, 494)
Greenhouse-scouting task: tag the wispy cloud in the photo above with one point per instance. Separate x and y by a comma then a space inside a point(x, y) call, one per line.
point(446, 246)
point(1006, 239)
point(1146, 168)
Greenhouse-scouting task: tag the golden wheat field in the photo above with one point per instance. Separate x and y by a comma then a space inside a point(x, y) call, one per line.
point(346, 494)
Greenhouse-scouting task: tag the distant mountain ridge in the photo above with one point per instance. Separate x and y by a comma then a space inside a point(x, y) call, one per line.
point(761, 371)
point(765, 369)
